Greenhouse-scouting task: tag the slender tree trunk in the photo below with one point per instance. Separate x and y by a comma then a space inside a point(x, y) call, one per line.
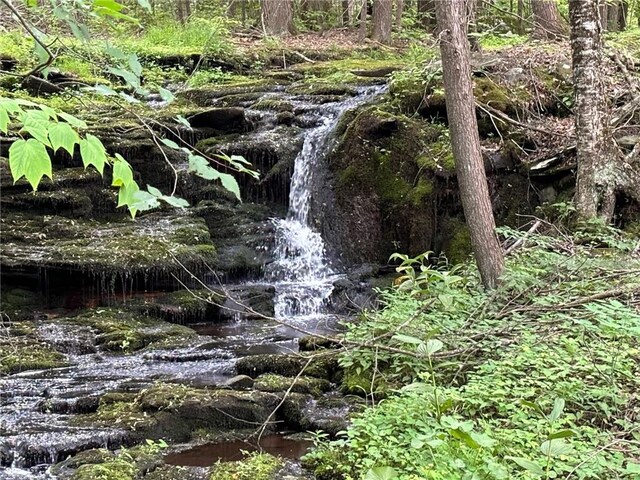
point(612, 16)
point(595, 195)
point(603, 14)
point(472, 25)
point(399, 12)
point(623, 14)
point(362, 34)
point(427, 13)
point(344, 6)
point(520, 16)
point(382, 21)
point(465, 141)
point(277, 17)
point(549, 24)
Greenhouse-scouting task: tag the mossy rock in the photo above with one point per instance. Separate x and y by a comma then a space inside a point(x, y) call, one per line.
point(456, 240)
point(151, 244)
point(175, 412)
point(273, 104)
point(256, 466)
point(331, 89)
point(325, 367)
point(124, 331)
point(25, 352)
point(184, 306)
point(117, 469)
point(303, 384)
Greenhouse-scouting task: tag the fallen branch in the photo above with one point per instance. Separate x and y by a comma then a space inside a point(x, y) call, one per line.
point(522, 240)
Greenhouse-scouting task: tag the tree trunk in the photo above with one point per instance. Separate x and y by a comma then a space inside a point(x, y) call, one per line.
point(277, 17)
point(472, 25)
point(603, 15)
point(612, 16)
point(399, 12)
point(549, 24)
point(362, 34)
point(465, 141)
point(427, 13)
point(382, 21)
point(344, 6)
point(623, 14)
point(520, 16)
point(595, 195)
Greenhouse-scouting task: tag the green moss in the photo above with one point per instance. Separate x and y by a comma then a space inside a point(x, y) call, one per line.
point(489, 92)
point(277, 383)
point(123, 331)
point(117, 469)
point(256, 466)
point(18, 354)
point(419, 193)
point(321, 89)
point(273, 104)
point(458, 247)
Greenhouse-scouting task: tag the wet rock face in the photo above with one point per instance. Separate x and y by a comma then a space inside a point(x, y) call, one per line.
point(221, 120)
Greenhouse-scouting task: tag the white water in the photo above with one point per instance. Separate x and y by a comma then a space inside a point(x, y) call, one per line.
point(303, 273)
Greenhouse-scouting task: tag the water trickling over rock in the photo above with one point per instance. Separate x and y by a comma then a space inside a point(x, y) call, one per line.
point(304, 276)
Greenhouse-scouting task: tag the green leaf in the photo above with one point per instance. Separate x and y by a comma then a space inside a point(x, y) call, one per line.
point(632, 468)
point(93, 152)
point(115, 52)
point(166, 95)
point(29, 158)
point(231, 184)
point(562, 434)
point(134, 65)
point(430, 347)
point(143, 201)
point(171, 144)
point(381, 473)
point(10, 105)
point(71, 120)
point(51, 113)
point(4, 121)
point(36, 124)
point(62, 135)
point(407, 339)
point(555, 448)
point(103, 90)
point(146, 5)
point(201, 167)
point(558, 407)
point(122, 172)
point(180, 119)
point(154, 191)
point(532, 405)
point(79, 30)
point(129, 77)
point(175, 201)
point(528, 465)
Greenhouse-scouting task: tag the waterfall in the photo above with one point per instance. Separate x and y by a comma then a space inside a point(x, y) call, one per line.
point(303, 276)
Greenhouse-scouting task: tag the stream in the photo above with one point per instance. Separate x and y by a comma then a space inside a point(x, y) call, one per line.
point(37, 408)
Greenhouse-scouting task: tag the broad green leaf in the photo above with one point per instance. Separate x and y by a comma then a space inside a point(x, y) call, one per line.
point(175, 201)
point(528, 465)
point(10, 105)
point(115, 52)
point(126, 197)
point(29, 158)
point(180, 119)
point(4, 121)
point(71, 120)
point(555, 447)
point(134, 65)
point(103, 90)
point(93, 152)
point(122, 172)
point(80, 31)
point(170, 143)
point(482, 439)
point(154, 191)
point(36, 123)
point(407, 339)
point(62, 135)
point(562, 434)
point(558, 407)
point(145, 4)
point(381, 473)
point(144, 201)
point(51, 113)
point(128, 98)
point(231, 184)
point(532, 405)
point(129, 77)
point(166, 95)
point(201, 167)
point(632, 468)
point(432, 346)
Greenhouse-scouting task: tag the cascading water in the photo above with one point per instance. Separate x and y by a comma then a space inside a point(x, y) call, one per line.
point(304, 277)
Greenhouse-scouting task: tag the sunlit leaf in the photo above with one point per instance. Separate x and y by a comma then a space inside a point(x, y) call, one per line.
point(62, 135)
point(93, 152)
point(381, 473)
point(558, 407)
point(528, 465)
point(555, 447)
point(29, 158)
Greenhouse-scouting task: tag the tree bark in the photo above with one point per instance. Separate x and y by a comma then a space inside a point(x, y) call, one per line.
point(382, 21)
point(612, 16)
point(427, 13)
point(603, 15)
point(277, 17)
point(362, 34)
point(344, 6)
point(399, 12)
point(465, 141)
point(472, 25)
point(595, 183)
point(549, 24)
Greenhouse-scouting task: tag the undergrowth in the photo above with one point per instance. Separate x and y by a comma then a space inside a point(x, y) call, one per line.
point(537, 379)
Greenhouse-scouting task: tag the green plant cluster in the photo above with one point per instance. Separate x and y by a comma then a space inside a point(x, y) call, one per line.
point(537, 379)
